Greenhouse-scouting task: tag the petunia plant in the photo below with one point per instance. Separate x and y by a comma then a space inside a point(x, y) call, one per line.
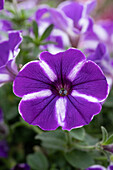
point(56, 95)
point(60, 90)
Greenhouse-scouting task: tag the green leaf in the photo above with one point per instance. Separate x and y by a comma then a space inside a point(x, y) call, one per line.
point(47, 32)
point(79, 159)
point(104, 134)
point(27, 38)
point(109, 141)
point(54, 139)
point(35, 29)
point(37, 161)
point(78, 133)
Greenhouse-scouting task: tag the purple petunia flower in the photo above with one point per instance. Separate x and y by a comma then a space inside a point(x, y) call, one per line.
point(70, 17)
point(101, 32)
point(21, 166)
point(8, 52)
point(78, 12)
point(1, 4)
point(60, 90)
point(99, 167)
point(101, 57)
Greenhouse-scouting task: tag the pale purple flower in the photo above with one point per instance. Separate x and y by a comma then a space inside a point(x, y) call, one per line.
point(1, 4)
point(56, 17)
point(60, 90)
point(101, 57)
point(78, 13)
point(21, 166)
point(58, 36)
point(70, 17)
point(8, 52)
point(101, 32)
point(100, 167)
point(26, 4)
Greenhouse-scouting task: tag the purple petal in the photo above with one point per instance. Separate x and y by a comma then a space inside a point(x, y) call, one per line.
point(40, 13)
point(5, 25)
point(79, 112)
point(21, 166)
point(4, 54)
point(10, 45)
point(101, 57)
point(72, 10)
point(110, 167)
point(90, 5)
point(91, 81)
point(15, 39)
point(4, 149)
point(1, 4)
point(32, 78)
point(96, 167)
point(62, 63)
point(7, 74)
point(41, 111)
point(56, 17)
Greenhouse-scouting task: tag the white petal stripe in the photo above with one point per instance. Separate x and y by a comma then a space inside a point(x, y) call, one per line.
point(75, 70)
point(52, 76)
point(4, 77)
point(35, 95)
point(89, 98)
point(61, 110)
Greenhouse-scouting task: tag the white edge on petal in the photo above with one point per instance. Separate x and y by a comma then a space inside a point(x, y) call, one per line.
point(84, 96)
point(52, 76)
point(35, 61)
point(110, 83)
point(105, 79)
point(75, 70)
point(60, 107)
point(35, 95)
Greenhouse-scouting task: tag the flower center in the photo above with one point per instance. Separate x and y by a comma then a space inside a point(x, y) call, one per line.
point(63, 92)
point(61, 89)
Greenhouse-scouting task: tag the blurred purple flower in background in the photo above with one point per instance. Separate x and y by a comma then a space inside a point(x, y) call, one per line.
point(4, 149)
point(21, 166)
point(101, 57)
point(99, 167)
point(1, 4)
point(26, 4)
point(8, 52)
point(100, 32)
point(72, 18)
point(60, 90)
